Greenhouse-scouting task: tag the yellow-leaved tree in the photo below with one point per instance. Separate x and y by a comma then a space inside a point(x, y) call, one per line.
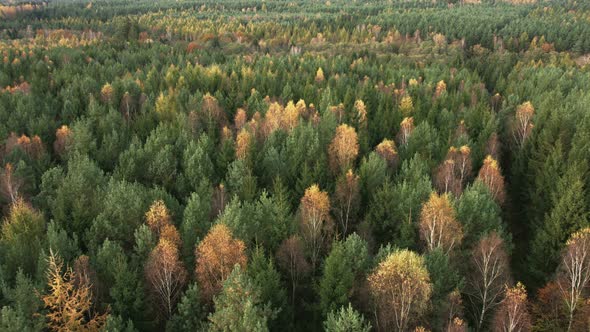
point(401, 288)
point(69, 304)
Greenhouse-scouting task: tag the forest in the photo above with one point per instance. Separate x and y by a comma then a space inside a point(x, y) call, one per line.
point(295, 165)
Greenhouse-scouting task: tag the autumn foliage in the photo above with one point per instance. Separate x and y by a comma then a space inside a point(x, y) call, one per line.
point(69, 305)
point(316, 223)
point(523, 123)
point(489, 277)
point(216, 256)
point(513, 314)
point(491, 176)
point(344, 148)
point(401, 288)
point(438, 226)
point(387, 150)
point(166, 275)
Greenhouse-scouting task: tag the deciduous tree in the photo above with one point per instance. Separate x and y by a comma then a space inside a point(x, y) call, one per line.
point(406, 129)
point(344, 148)
point(166, 275)
point(291, 258)
point(10, 184)
point(387, 150)
point(491, 176)
point(401, 288)
point(346, 200)
point(68, 305)
point(512, 314)
point(489, 275)
point(523, 123)
point(438, 226)
point(574, 272)
point(216, 256)
point(316, 223)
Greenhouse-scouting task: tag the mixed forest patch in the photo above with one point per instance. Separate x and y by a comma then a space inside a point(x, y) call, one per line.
point(294, 165)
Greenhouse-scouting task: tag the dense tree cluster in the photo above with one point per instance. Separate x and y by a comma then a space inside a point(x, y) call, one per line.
point(294, 165)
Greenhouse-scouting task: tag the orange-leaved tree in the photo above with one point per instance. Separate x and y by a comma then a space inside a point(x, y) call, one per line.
point(69, 306)
point(216, 256)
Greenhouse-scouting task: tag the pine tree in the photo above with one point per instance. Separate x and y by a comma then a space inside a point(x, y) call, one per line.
point(568, 215)
point(239, 308)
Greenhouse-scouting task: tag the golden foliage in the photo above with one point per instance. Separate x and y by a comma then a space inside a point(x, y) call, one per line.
point(106, 93)
point(315, 220)
point(343, 149)
point(160, 223)
point(216, 256)
point(63, 136)
point(441, 87)
point(491, 176)
point(69, 306)
point(513, 314)
point(290, 118)
point(438, 226)
point(523, 124)
point(387, 150)
point(240, 119)
point(401, 288)
point(361, 111)
point(243, 144)
point(406, 129)
point(319, 76)
point(406, 105)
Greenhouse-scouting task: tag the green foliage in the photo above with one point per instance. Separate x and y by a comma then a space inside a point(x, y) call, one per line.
point(478, 213)
point(345, 264)
point(239, 307)
point(190, 314)
point(22, 235)
point(346, 320)
point(568, 214)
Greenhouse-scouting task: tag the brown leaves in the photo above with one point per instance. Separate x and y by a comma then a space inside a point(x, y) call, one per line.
point(491, 176)
point(343, 149)
point(490, 272)
point(574, 271)
point(513, 315)
point(10, 184)
point(68, 305)
point(32, 146)
point(453, 173)
point(401, 288)
point(438, 226)
point(386, 150)
point(63, 138)
point(216, 256)
point(346, 200)
point(163, 270)
point(165, 274)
